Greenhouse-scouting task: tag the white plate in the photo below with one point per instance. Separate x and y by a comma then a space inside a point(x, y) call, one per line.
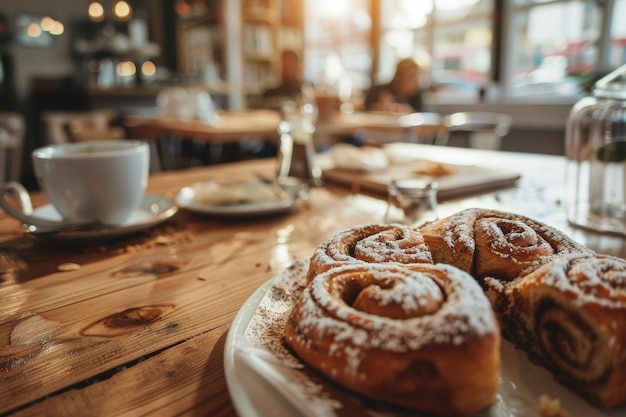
point(188, 198)
point(153, 209)
point(265, 380)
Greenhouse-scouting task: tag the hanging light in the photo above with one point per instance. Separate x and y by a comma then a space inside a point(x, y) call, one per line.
point(57, 28)
point(53, 26)
point(122, 10)
point(182, 8)
point(96, 11)
point(47, 23)
point(33, 30)
point(148, 68)
point(126, 69)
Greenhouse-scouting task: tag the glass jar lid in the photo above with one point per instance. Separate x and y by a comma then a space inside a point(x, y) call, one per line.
point(414, 186)
point(613, 85)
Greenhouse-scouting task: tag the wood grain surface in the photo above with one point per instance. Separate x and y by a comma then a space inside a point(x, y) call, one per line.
point(138, 326)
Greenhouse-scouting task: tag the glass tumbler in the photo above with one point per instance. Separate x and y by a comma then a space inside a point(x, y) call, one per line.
point(297, 166)
point(412, 202)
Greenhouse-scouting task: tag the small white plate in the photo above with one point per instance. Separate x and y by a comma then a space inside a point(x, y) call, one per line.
point(205, 198)
point(153, 209)
point(265, 379)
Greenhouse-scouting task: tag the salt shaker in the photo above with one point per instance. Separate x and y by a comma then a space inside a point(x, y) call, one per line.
point(411, 201)
point(595, 147)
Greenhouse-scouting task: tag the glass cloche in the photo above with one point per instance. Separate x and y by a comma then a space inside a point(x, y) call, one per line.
point(595, 147)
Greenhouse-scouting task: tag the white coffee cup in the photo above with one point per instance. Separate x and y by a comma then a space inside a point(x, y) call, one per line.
point(90, 182)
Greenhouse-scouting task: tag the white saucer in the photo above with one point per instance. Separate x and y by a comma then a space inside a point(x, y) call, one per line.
point(153, 209)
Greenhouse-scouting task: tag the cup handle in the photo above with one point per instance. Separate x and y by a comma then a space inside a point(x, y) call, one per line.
point(24, 211)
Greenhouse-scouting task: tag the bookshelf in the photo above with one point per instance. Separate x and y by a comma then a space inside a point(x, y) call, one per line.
point(200, 45)
point(269, 27)
point(240, 39)
point(292, 26)
point(260, 49)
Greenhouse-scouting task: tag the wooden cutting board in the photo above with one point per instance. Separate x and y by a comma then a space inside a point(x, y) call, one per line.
point(453, 180)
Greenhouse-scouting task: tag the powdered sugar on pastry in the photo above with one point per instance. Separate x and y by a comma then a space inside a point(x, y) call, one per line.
point(570, 316)
point(465, 314)
point(400, 334)
point(491, 243)
point(375, 243)
point(595, 279)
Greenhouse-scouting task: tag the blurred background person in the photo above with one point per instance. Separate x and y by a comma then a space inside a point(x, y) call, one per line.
point(402, 94)
point(292, 86)
point(292, 89)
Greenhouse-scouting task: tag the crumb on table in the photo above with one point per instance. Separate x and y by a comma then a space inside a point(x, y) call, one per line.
point(550, 407)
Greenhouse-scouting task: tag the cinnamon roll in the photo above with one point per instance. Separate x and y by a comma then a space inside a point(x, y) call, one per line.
point(491, 243)
point(374, 243)
point(423, 338)
point(570, 317)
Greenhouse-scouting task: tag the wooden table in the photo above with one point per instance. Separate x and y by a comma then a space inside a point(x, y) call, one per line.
point(380, 127)
point(227, 133)
point(230, 128)
point(139, 329)
point(235, 126)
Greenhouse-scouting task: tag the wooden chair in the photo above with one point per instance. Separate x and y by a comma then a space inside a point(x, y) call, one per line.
point(420, 127)
point(484, 130)
point(136, 128)
point(424, 127)
point(71, 126)
point(12, 129)
point(89, 130)
point(95, 125)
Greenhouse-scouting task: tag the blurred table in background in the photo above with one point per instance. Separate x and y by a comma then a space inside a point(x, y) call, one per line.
point(380, 127)
point(230, 130)
point(12, 130)
point(231, 127)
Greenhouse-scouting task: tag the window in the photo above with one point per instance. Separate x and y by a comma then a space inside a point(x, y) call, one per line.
point(405, 32)
point(617, 49)
point(337, 43)
point(550, 48)
point(554, 44)
point(450, 39)
point(461, 49)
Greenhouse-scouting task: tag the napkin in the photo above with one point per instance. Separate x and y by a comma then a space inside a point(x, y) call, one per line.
point(216, 194)
point(366, 158)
